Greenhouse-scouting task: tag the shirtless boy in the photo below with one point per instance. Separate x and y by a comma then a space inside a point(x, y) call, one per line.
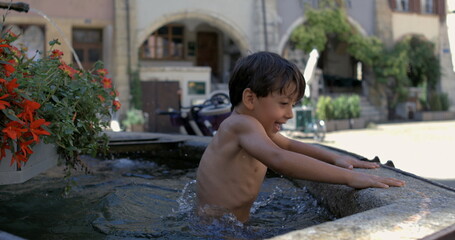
point(263, 89)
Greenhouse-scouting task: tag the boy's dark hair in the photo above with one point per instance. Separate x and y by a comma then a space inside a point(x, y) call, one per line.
point(264, 73)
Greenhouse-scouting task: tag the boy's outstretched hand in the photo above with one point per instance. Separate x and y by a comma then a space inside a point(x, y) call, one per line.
point(363, 180)
point(350, 163)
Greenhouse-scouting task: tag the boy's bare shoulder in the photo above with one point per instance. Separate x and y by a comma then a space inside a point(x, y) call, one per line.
point(238, 121)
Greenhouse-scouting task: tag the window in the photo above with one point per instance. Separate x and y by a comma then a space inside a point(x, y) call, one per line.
point(427, 6)
point(88, 45)
point(402, 5)
point(165, 43)
point(31, 39)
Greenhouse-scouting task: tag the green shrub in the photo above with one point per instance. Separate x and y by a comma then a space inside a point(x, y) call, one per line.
point(354, 106)
point(133, 117)
point(435, 102)
point(445, 103)
point(438, 102)
point(324, 108)
point(343, 107)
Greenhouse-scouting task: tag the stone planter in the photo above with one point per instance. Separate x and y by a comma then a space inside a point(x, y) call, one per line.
point(137, 127)
point(44, 157)
point(343, 124)
point(435, 115)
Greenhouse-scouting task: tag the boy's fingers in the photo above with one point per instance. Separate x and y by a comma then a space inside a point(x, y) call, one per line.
point(394, 182)
point(368, 165)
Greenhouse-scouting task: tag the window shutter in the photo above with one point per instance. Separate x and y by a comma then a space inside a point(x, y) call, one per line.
point(393, 5)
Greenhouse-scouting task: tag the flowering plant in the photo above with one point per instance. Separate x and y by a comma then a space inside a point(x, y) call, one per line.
point(47, 99)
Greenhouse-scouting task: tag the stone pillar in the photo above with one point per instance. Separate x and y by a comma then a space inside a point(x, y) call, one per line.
point(268, 30)
point(384, 23)
point(121, 57)
point(447, 81)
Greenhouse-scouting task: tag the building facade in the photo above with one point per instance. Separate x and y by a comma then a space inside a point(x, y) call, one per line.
point(189, 47)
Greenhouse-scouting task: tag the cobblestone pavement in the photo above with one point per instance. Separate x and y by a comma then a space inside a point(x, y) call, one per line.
point(426, 149)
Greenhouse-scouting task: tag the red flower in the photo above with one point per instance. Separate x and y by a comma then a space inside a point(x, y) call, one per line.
point(56, 53)
point(102, 72)
point(10, 86)
point(107, 83)
point(117, 104)
point(9, 68)
point(13, 130)
point(68, 70)
point(12, 34)
point(3, 46)
point(102, 99)
point(25, 147)
point(16, 51)
point(18, 158)
point(114, 93)
point(29, 109)
point(4, 147)
point(4, 104)
point(36, 130)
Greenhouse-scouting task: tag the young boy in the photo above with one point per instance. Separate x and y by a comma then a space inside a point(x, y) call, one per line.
point(263, 89)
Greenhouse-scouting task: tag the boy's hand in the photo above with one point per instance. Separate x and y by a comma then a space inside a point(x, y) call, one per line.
point(350, 163)
point(363, 180)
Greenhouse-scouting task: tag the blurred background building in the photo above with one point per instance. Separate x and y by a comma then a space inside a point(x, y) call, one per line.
point(166, 54)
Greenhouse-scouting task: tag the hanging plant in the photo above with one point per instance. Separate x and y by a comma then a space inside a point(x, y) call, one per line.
point(410, 62)
point(331, 21)
point(49, 100)
point(390, 70)
point(424, 66)
point(319, 24)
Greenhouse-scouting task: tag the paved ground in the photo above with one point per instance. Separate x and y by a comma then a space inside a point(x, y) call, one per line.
point(426, 149)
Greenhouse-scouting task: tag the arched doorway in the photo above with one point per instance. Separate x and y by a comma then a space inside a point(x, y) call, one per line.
point(183, 58)
point(339, 71)
point(207, 40)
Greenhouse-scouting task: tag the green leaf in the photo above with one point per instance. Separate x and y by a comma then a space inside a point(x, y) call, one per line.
point(55, 98)
point(11, 115)
point(54, 42)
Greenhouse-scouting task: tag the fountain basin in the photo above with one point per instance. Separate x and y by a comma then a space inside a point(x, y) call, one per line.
point(419, 209)
point(415, 211)
point(36, 164)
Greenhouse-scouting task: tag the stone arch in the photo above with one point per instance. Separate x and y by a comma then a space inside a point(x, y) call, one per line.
point(408, 35)
point(285, 38)
point(233, 31)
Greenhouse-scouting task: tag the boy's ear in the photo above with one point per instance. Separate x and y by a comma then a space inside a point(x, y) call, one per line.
point(248, 98)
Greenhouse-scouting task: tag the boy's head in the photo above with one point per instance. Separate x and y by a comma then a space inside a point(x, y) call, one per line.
point(264, 73)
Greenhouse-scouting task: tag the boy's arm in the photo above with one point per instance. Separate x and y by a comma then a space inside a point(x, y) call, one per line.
point(254, 140)
point(322, 154)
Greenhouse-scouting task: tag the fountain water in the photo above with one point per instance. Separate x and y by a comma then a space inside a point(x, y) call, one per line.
point(65, 39)
point(24, 7)
point(138, 198)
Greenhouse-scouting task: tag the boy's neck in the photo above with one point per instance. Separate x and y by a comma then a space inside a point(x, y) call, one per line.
point(240, 109)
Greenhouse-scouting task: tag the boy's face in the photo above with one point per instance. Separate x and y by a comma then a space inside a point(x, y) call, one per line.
point(275, 109)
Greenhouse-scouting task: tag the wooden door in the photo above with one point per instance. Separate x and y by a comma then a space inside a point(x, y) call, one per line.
point(160, 96)
point(207, 51)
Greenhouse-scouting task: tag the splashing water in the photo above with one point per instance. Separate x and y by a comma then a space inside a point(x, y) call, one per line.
point(61, 34)
point(139, 199)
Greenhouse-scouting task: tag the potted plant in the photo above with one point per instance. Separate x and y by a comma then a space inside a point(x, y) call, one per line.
point(340, 113)
point(47, 100)
point(134, 120)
